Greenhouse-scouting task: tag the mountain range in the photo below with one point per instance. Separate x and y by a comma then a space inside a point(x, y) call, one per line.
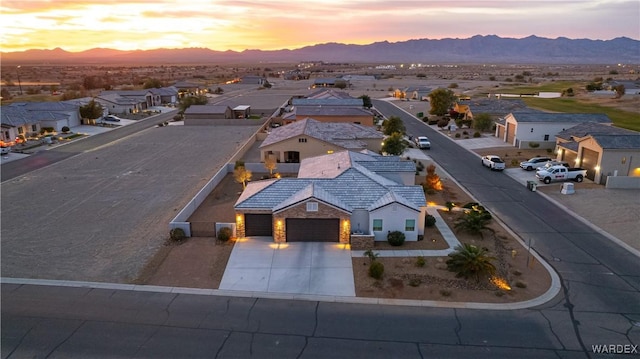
point(477, 49)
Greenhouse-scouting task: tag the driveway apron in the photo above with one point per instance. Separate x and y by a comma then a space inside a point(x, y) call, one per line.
point(257, 264)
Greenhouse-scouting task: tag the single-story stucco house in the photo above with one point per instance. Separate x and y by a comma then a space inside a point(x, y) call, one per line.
point(520, 129)
point(309, 138)
point(336, 198)
point(602, 150)
point(28, 118)
point(198, 115)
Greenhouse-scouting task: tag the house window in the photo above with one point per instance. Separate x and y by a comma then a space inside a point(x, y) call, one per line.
point(302, 140)
point(377, 225)
point(546, 137)
point(20, 130)
point(410, 225)
point(34, 128)
point(330, 151)
point(312, 206)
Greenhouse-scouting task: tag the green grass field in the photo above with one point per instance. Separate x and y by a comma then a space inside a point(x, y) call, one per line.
point(545, 87)
point(624, 119)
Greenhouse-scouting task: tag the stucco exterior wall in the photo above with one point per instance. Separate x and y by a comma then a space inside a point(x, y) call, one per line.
point(311, 148)
point(300, 211)
point(393, 219)
point(620, 163)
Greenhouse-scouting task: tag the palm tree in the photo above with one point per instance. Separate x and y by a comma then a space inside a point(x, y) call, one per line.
point(470, 261)
point(474, 222)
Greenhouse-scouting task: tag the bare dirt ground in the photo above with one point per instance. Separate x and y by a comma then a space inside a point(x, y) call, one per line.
point(200, 262)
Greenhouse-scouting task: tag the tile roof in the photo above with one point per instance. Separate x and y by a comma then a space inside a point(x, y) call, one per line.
point(560, 117)
point(341, 134)
point(311, 111)
point(347, 186)
point(356, 102)
point(27, 113)
point(618, 142)
point(591, 128)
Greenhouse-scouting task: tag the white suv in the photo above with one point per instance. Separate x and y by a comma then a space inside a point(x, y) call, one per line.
point(5, 150)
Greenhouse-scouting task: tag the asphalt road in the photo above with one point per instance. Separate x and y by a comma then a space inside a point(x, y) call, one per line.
point(599, 304)
point(45, 158)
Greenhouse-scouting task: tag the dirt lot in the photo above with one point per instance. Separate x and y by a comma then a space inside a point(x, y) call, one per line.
point(200, 262)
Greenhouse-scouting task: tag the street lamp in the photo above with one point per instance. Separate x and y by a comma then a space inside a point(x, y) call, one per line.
point(19, 84)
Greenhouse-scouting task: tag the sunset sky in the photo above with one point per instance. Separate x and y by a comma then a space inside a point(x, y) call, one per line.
point(77, 25)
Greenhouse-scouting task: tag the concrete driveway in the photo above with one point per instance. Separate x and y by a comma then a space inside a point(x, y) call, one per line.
point(257, 264)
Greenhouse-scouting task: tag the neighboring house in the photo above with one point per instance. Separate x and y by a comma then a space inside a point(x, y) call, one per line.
point(463, 110)
point(190, 88)
point(334, 197)
point(197, 115)
point(328, 82)
point(630, 87)
point(522, 128)
point(344, 102)
point(242, 111)
point(602, 150)
point(309, 138)
point(167, 95)
point(498, 107)
point(413, 93)
point(28, 118)
point(357, 115)
point(329, 94)
point(129, 101)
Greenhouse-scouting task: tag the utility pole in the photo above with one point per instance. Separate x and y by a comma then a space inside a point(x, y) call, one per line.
point(19, 84)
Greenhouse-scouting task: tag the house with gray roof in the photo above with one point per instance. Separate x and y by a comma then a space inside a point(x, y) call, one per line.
point(336, 198)
point(602, 150)
point(521, 129)
point(198, 115)
point(28, 118)
point(130, 101)
point(309, 138)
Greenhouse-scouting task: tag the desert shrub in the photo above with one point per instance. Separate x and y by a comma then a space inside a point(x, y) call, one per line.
point(65, 129)
point(476, 134)
point(499, 293)
point(457, 135)
point(521, 284)
point(549, 150)
point(396, 238)
point(449, 205)
point(371, 254)
point(420, 262)
point(443, 123)
point(225, 233)
point(534, 144)
point(177, 234)
point(414, 282)
point(517, 273)
point(515, 162)
point(429, 220)
point(445, 292)
point(376, 270)
point(465, 133)
point(432, 121)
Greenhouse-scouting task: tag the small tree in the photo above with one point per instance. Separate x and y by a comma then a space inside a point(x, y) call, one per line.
point(152, 83)
point(432, 181)
point(392, 125)
point(91, 111)
point(242, 175)
point(620, 90)
point(270, 164)
point(474, 222)
point(482, 122)
point(469, 261)
point(441, 101)
point(394, 145)
point(366, 101)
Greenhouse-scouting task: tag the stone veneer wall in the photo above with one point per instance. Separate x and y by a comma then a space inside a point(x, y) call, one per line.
point(300, 211)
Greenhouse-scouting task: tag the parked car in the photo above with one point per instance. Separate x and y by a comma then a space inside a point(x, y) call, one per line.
point(534, 163)
point(423, 142)
point(561, 173)
point(5, 150)
point(551, 164)
point(111, 118)
point(494, 162)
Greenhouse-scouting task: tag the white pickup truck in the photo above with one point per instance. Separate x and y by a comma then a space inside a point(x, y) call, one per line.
point(561, 173)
